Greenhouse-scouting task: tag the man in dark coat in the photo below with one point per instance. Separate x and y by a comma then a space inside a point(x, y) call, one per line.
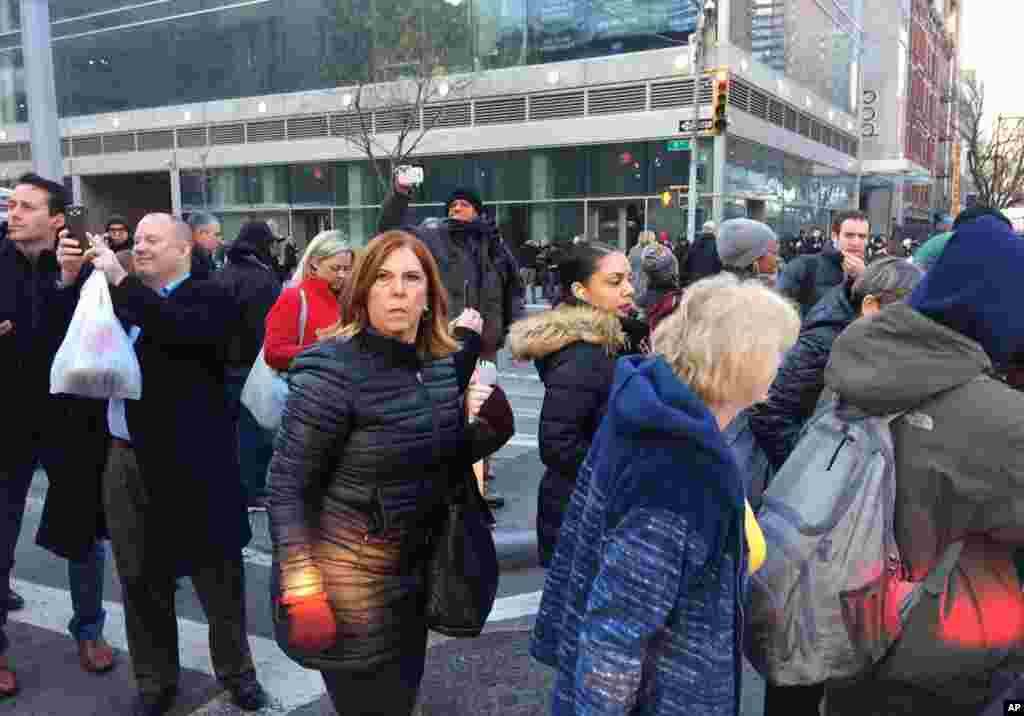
point(472, 258)
point(172, 492)
point(808, 278)
point(56, 431)
point(249, 276)
point(477, 267)
point(702, 259)
point(207, 241)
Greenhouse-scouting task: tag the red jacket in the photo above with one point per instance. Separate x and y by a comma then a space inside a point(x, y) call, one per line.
point(281, 344)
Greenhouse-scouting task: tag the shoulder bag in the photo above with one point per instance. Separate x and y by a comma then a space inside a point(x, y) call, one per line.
point(266, 390)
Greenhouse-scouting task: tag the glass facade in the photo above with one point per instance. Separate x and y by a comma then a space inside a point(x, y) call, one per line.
point(610, 192)
point(785, 192)
point(115, 56)
point(804, 41)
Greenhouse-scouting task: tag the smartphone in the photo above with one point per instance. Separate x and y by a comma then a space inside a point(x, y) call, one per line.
point(74, 222)
point(409, 175)
point(486, 373)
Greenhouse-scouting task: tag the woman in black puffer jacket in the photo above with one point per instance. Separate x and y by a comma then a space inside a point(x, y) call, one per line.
point(575, 347)
point(374, 429)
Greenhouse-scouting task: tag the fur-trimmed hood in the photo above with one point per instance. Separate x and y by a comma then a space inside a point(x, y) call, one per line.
point(539, 336)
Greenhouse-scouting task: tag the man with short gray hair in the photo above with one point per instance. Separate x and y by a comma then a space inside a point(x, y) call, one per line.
point(174, 501)
point(207, 240)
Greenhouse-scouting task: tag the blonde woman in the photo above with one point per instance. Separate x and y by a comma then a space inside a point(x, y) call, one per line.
point(642, 604)
point(319, 280)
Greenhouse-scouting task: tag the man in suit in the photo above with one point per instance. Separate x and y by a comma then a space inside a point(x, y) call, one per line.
point(171, 487)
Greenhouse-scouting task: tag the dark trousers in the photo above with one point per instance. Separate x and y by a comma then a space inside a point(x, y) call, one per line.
point(85, 578)
point(150, 617)
point(254, 445)
point(387, 690)
point(793, 700)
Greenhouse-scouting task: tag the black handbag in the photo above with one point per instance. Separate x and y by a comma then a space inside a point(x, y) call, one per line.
point(462, 566)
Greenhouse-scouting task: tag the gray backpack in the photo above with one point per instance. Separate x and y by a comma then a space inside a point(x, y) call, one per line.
point(830, 598)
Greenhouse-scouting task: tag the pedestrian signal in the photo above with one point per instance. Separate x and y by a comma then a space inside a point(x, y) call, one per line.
point(719, 103)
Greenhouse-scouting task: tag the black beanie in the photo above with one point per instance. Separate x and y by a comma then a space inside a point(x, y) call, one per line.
point(117, 220)
point(466, 195)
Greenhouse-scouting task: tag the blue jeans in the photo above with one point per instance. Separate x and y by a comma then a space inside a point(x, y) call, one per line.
point(85, 578)
point(255, 446)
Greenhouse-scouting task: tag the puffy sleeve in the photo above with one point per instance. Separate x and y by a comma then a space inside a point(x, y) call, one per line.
point(316, 422)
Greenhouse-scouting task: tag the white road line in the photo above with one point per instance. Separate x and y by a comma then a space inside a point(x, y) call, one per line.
point(288, 684)
point(522, 440)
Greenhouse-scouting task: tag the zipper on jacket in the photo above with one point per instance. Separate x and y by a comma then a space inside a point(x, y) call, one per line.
point(846, 439)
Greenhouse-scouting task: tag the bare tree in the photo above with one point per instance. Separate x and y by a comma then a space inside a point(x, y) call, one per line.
point(995, 156)
point(407, 63)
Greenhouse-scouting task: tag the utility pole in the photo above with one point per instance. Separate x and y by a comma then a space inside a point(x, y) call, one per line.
point(705, 24)
point(41, 90)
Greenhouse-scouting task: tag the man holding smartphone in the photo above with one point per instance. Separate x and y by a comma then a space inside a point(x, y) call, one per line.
point(477, 268)
point(63, 433)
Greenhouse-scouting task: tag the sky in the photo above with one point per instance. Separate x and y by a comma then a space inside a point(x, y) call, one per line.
point(992, 45)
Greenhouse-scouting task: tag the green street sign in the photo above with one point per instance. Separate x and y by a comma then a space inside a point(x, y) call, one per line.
point(679, 145)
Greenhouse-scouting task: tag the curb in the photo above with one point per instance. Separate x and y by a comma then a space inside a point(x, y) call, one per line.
point(517, 548)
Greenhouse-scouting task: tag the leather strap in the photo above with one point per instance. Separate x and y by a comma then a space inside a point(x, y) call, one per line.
point(303, 313)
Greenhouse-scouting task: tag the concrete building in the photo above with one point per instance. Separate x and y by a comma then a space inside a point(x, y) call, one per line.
point(909, 122)
point(571, 126)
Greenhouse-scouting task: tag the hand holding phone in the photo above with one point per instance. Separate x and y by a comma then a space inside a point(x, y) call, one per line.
point(74, 221)
point(407, 176)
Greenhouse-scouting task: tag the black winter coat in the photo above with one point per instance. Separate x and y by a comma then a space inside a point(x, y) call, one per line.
point(370, 433)
point(181, 429)
point(778, 421)
point(73, 512)
point(806, 279)
point(574, 348)
point(701, 260)
point(251, 279)
point(494, 285)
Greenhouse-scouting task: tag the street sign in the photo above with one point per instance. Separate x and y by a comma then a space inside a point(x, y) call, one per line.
point(679, 145)
point(686, 125)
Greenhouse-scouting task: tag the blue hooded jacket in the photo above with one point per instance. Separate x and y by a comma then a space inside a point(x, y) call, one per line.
point(976, 287)
point(641, 612)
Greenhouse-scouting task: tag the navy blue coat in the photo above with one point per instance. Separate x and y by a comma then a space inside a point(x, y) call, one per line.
point(778, 421)
point(181, 429)
point(642, 608)
point(806, 279)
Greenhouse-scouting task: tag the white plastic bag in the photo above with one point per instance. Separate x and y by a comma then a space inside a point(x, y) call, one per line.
point(96, 359)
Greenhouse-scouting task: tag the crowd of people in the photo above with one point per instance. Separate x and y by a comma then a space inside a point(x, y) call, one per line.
point(679, 380)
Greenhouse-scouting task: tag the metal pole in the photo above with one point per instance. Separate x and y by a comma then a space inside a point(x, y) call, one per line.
point(696, 60)
point(41, 90)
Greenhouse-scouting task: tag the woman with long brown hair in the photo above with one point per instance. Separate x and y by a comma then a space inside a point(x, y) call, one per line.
point(374, 428)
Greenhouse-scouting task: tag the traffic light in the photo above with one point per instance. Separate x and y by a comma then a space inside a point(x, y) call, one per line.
point(719, 103)
point(666, 199)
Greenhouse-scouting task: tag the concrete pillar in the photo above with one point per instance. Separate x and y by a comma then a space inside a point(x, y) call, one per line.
point(623, 218)
point(541, 216)
point(356, 232)
point(175, 190)
point(8, 102)
point(76, 189)
point(41, 90)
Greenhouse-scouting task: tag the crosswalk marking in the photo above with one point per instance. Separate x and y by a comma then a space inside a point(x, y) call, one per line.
point(288, 684)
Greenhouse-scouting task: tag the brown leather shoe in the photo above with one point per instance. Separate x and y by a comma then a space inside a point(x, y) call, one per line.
point(96, 656)
point(8, 681)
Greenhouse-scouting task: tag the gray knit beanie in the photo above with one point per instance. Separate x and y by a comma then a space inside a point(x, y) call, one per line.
point(741, 242)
